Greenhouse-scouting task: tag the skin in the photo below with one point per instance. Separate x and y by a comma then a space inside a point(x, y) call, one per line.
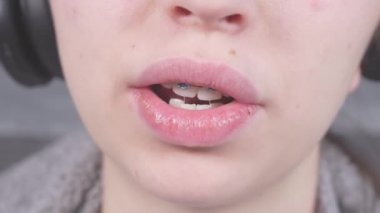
point(302, 55)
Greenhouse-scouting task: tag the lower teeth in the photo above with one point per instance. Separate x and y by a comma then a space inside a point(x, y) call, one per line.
point(182, 105)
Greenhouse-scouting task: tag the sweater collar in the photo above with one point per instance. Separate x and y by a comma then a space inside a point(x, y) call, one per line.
point(66, 177)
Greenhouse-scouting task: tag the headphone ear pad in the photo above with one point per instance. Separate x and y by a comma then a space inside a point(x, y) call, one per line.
point(371, 62)
point(28, 48)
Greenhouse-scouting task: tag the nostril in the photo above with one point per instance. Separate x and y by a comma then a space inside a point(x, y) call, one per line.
point(218, 18)
point(181, 11)
point(234, 19)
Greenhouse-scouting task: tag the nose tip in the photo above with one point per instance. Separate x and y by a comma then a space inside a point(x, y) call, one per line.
point(216, 17)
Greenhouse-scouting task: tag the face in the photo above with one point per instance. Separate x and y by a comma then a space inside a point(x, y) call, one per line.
point(301, 58)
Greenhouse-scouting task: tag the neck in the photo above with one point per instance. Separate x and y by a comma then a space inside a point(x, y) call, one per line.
point(294, 193)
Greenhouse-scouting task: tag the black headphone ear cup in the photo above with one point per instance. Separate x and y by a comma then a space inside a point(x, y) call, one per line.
point(25, 49)
point(371, 62)
point(40, 28)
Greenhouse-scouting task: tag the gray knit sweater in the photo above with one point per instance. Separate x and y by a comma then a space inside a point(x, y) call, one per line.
point(65, 178)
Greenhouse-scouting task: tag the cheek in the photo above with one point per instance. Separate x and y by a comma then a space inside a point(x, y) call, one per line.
point(315, 4)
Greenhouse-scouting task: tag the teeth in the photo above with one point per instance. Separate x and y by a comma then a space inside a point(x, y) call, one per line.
point(189, 106)
point(185, 90)
point(208, 94)
point(168, 86)
point(178, 103)
point(203, 106)
point(189, 91)
point(207, 106)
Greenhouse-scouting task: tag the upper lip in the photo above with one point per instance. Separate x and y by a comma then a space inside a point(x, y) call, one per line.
point(215, 75)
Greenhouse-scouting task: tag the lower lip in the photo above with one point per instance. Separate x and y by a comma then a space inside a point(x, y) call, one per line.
point(202, 128)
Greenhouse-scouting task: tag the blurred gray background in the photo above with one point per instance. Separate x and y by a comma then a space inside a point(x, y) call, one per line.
point(30, 119)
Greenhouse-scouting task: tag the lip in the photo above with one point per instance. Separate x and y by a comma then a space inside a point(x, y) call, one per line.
point(203, 128)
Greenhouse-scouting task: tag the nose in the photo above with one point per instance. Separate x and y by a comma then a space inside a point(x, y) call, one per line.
point(221, 15)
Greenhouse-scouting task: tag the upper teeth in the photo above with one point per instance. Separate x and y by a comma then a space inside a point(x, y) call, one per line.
point(189, 91)
point(168, 86)
point(206, 94)
point(185, 90)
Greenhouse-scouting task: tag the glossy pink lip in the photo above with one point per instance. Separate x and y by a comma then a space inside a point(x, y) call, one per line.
point(203, 128)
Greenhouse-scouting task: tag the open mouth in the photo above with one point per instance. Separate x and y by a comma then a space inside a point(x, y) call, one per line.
point(190, 97)
point(192, 103)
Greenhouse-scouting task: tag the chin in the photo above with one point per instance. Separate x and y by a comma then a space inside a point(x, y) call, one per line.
point(189, 179)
